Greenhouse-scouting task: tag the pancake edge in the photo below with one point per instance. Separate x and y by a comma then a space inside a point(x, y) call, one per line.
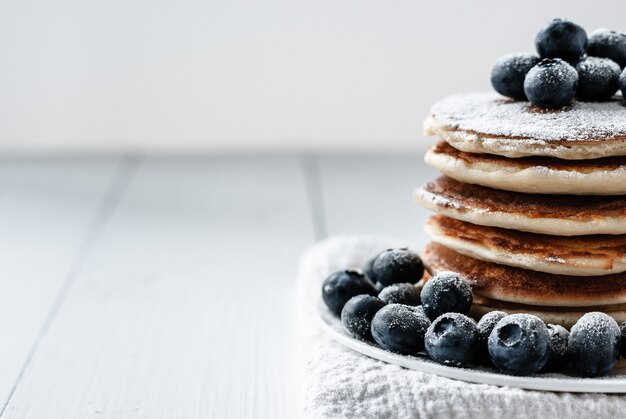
point(513, 295)
point(543, 225)
point(566, 319)
point(522, 147)
point(537, 179)
point(584, 267)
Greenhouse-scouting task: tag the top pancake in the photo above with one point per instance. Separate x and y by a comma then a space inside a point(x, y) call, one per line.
point(489, 123)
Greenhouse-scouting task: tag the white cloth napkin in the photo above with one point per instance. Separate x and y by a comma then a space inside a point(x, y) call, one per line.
point(340, 383)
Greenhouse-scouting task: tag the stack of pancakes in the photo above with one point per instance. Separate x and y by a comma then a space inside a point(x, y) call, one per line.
point(532, 205)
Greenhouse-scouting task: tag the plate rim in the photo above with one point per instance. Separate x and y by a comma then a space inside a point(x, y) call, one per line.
point(331, 325)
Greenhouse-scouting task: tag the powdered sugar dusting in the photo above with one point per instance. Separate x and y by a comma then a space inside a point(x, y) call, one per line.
point(558, 339)
point(488, 322)
point(405, 318)
point(596, 328)
point(599, 68)
point(555, 259)
point(436, 200)
point(526, 321)
point(492, 114)
point(454, 280)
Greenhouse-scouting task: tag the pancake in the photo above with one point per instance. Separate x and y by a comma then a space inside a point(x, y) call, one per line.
point(577, 256)
point(543, 175)
point(489, 123)
point(565, 316)
point(516, 285)
point(563, 215)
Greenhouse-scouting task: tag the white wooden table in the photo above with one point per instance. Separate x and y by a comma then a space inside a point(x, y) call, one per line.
point(144, 287)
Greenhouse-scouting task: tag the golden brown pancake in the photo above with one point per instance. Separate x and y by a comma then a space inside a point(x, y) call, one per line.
point(564, 215)
point(544, 175)
point(516, 285)
point(578, 255)
point(549, 163)
point(489, 123)
point(565, 316)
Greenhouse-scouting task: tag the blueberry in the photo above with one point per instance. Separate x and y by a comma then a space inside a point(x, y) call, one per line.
point(608, 44)
point(378, 287)
point(446, 292)
point(406, 293)
point(598, 79)
point(551, 84)
point(622, 83)
point(367, 270)
point(485, 326)
point(594, 344)
point(508, 73)
point(420, 309)
point(395, 266)
point(452, 339)
point(561, 39)
point(339, 287)
point(519, 344)
point(558, 348)
point(622, 346)
point(400, 328)
point(358, 313)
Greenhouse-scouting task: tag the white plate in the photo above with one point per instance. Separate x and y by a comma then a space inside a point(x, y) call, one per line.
point(614, 383)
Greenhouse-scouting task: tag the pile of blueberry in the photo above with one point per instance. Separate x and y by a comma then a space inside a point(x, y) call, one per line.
point(381, 304)
point(569, 65)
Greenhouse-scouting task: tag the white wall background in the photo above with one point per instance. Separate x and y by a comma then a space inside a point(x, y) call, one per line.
point(263, 75)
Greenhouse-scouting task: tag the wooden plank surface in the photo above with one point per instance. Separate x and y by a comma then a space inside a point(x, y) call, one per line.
point(174, 302)
point(47, 210)
point(372, 194)
point(183, 307)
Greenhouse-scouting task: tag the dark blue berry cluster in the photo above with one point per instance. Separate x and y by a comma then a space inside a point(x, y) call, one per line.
point(569, 65)
point(386, 307)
